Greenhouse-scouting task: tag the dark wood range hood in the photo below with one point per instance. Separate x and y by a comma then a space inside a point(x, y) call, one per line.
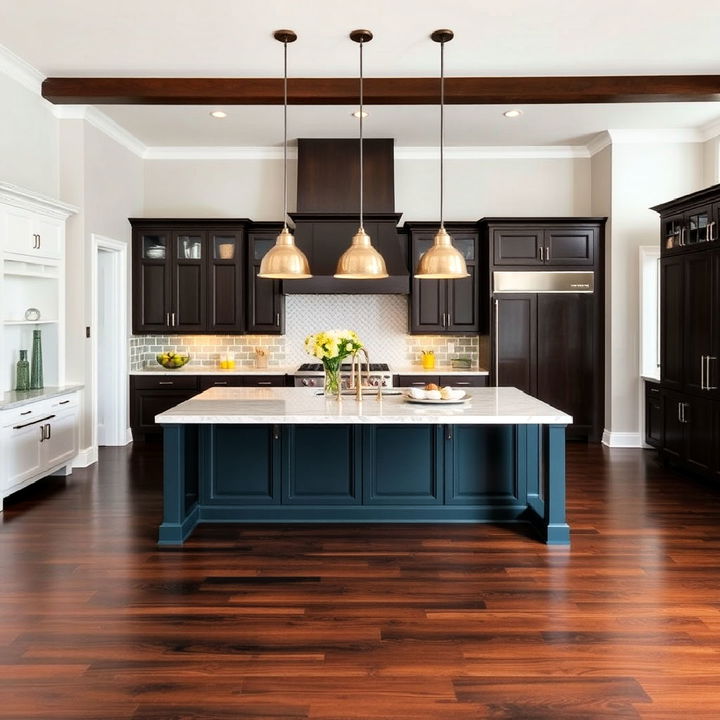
point(327, 217)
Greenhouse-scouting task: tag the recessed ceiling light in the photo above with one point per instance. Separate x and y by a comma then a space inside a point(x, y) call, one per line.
point(218, 114)
point(357, 114)
point(512, 113)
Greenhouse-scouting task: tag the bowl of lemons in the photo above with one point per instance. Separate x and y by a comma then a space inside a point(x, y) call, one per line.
point(173, 360)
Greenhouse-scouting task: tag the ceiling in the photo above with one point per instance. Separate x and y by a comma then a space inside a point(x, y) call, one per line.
point(513, 37)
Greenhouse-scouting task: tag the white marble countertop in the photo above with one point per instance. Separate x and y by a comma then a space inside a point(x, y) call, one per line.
point(437, 370)
point(191, 369)
point(487, 406)
point(13, 398)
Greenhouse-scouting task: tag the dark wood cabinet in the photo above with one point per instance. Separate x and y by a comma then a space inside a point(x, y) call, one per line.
point(151, 395)
point(447, 306)
point(459, 381)
point(265, 302)
point(515, 342)
point(535, 244)
point(690, 331)
point(654, 434)
point(188, 276)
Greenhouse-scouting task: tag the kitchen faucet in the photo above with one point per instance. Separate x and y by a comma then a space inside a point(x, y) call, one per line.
point(356, 382)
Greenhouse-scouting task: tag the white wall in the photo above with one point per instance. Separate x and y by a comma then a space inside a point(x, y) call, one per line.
point(473, 188)
point(711, 161)
point(105, 180)
point(643, 174)
point(29, 154)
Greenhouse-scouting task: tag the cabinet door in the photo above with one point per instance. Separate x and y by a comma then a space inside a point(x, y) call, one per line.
point(24, 458)
point(265, 302)
point(428, 300)
point(517, 246)
point(672, 232)
point(146, 404)
point(671, 321)
point(565, 361)
point(152, 280)
point(226, 302)
point(673, 428)
point(653, 415)
point(570, 246)
point(402, 464)
point(698, 426)
point(20, 236)
point(61, 439)
point(462, 294)
point(712, 378)
point(50, 233)
point(515, 343)
point(697, 224)
point(241, 465)
point(189, 281)
point(697, 329)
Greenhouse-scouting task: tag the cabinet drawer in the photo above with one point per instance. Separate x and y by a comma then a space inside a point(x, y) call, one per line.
point(64, 402)
point(417, 380)
point(165, 382)
point(464, 380)
point(208, 381)
point(25, 414)
point(264, 380)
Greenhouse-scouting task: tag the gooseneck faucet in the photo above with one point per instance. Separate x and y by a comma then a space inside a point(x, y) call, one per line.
point(356, 382)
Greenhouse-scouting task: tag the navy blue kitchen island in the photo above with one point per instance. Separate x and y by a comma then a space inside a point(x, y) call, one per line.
point(287, 455)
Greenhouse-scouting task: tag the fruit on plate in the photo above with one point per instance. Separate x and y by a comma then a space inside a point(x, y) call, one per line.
point(172, 360)
point(431, 386)
point(446, 392)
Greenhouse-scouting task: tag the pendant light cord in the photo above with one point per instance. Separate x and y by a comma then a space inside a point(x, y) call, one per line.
point(442, 130)
point(361, 135)
point(285, 103)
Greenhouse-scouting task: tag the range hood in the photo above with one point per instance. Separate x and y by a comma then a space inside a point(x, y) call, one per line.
point(328, 214)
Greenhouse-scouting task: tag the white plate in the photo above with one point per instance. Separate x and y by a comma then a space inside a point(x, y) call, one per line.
point(418, 401)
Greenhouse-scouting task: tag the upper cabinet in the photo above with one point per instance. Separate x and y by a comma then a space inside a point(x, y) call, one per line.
point(538, 244)
point(189, 276)
point(265, 302)
point(446, 306)
point(690, 222)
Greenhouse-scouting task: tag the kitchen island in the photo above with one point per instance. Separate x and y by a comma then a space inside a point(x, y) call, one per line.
point(291, 455)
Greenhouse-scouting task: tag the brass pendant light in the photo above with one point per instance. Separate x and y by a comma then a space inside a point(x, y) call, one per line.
point(442, 260)
point(285, 261)
point(361, 261)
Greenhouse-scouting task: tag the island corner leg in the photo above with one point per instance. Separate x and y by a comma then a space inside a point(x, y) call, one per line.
point(178, 520)
point(557, 531)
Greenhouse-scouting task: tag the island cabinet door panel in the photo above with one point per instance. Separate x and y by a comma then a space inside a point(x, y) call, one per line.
point(481, 465)
point(240, 465)
point(402, 464)
point(321, 465)
point(671, 321)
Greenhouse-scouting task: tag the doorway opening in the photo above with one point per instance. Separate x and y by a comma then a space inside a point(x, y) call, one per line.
point(108, 335)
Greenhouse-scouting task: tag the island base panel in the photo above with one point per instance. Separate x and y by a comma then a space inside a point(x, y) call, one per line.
point(364, 473)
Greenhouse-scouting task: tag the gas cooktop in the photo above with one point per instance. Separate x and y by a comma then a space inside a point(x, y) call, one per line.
point(317, 367)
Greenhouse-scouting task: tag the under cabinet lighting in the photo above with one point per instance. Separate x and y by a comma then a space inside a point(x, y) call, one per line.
point(512, 113)
point(357, 114)
point(218, 114)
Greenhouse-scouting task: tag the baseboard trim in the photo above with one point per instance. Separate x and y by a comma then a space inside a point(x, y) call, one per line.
point(86, 457)
point(128, 436)
point(622, 440)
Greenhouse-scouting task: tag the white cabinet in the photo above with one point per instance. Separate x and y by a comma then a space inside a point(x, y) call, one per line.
point(37, 440)
point(32, 235)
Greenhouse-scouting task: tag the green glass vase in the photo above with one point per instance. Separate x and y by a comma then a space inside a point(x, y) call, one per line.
point(22, 373)
point(36, 367)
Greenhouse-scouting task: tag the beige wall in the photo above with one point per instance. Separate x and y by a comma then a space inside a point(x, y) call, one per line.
point(473, 188)
point(28, 139)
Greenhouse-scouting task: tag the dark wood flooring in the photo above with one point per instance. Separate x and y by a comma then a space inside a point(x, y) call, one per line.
point(359, 622)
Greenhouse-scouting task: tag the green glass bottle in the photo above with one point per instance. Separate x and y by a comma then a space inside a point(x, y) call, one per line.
point(36, 369)
point(22, 373)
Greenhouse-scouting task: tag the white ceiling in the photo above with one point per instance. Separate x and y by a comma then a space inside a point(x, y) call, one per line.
point(512, 37)
point(417, 125)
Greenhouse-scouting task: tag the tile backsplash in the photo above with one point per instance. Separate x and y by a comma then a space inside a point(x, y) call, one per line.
point(379, 320)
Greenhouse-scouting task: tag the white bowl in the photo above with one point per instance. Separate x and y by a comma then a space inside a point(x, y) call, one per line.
point(433, 395)
point(417, 393)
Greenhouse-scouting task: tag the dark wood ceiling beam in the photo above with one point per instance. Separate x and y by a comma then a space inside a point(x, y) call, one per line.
point(382, 91)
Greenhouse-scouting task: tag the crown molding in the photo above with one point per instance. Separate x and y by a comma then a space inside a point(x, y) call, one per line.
point(16, 68)
point(102, 122)
point(710, 130)
point(160, 152)
point(491, 152)
point(30, 200)
point(655, 135)
point(599, 143)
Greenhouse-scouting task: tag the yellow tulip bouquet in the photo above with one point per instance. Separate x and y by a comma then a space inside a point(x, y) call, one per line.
point(331, 347)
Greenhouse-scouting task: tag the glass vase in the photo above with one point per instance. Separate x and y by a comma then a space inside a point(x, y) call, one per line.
point(22, 373)
point(36, 367)
point(331, 382)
